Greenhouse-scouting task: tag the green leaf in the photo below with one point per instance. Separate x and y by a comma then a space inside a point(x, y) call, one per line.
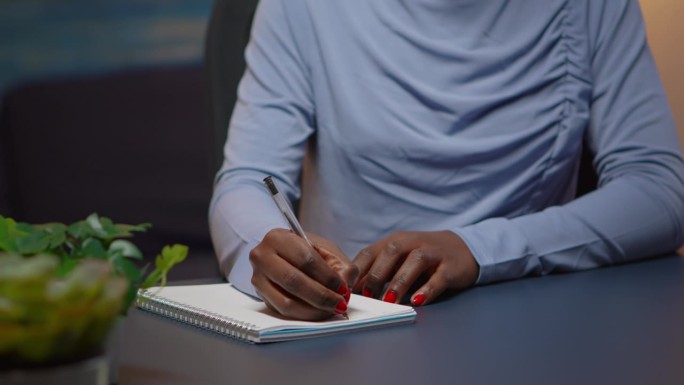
point(126, 231)
point(96, 225)
point(169, 257)
point(7, 226)
point(9, 232)
point(174, 254)
point(152, 279)
point(125, 248)
point(34, 242)
point(114, 254)
point(128, 269)
point(104, 228)
point(111, 229)
point(57, 233)
point(80, 230)
point(67, 265)
point(93, 247)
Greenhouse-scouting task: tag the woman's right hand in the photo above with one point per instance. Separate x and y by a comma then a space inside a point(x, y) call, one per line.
point(301, 282)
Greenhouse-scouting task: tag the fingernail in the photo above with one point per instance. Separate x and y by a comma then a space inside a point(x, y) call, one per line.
point(390, 296)
point(341, 307)
point(344, 291)
point(367, 293)
point(419, 299)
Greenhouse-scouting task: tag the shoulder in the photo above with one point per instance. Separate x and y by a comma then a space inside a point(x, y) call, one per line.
point(290, 15)
point(604, 17)
point(283, 9)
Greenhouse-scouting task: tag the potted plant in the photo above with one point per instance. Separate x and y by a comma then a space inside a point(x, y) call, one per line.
point(62, 288)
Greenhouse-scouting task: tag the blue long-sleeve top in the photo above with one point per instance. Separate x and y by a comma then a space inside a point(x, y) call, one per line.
point(464, 115)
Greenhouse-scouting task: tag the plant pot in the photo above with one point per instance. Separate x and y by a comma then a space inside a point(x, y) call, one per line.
point(91, 371)
point(99, 367)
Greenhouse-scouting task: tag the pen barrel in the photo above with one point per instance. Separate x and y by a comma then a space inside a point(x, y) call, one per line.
point(284, 207)
point(289, 215)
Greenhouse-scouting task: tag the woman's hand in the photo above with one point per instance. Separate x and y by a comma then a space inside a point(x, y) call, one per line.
point(300, 282)
point(403, 258)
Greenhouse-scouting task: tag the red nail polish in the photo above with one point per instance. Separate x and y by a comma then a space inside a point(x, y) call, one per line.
point(367, 293)
point(344, 291)
point(341, 307)
point(419, 299)
point(390, 296)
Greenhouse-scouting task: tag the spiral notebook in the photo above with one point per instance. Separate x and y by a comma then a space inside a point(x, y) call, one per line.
point(223, 309)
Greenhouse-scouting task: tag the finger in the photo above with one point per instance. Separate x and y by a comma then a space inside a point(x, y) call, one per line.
point(435, 286)
point(281, 303)
point(308, 261)
point(360, 284)
point(350, 274)
point(363, 261)
point(416, 264)
point(385, 265)
point(298, 285)
point(347, 270)
point(338, 261)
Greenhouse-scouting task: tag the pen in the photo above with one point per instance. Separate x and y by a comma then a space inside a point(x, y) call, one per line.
point(284, 208)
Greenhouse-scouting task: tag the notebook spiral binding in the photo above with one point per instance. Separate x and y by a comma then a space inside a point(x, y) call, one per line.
point(195, 316)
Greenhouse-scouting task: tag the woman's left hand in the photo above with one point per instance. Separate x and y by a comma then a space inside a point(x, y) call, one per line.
point(404, 257)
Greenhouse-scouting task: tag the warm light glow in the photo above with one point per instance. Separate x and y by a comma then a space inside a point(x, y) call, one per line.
point(665, 30)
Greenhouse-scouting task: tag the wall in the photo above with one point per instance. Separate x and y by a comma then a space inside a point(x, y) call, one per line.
point(665, 30)
point(45, 39)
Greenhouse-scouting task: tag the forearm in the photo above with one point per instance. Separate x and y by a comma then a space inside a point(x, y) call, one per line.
point(241, 213)
point(629, 218)
point(638, 210)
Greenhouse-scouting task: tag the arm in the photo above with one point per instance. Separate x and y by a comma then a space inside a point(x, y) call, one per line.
point(271, 124)
point(268, 131)
point(637, 211)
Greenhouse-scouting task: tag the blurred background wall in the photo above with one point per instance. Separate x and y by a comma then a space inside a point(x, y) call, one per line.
point(103, 108)
point(47, 38)
point(666, 36)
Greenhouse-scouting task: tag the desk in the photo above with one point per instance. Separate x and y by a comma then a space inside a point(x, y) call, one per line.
point(617, 325)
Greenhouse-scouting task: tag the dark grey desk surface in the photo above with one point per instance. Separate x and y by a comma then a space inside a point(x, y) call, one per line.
point(618, 325)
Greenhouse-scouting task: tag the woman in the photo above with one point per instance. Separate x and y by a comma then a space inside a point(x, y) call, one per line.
point(445, 137)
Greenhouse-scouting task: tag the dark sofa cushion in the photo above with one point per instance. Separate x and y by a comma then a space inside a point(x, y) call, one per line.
point(134, 146)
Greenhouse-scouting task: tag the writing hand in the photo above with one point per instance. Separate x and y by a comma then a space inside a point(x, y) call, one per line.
point(404, 257)
point(300, 282)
